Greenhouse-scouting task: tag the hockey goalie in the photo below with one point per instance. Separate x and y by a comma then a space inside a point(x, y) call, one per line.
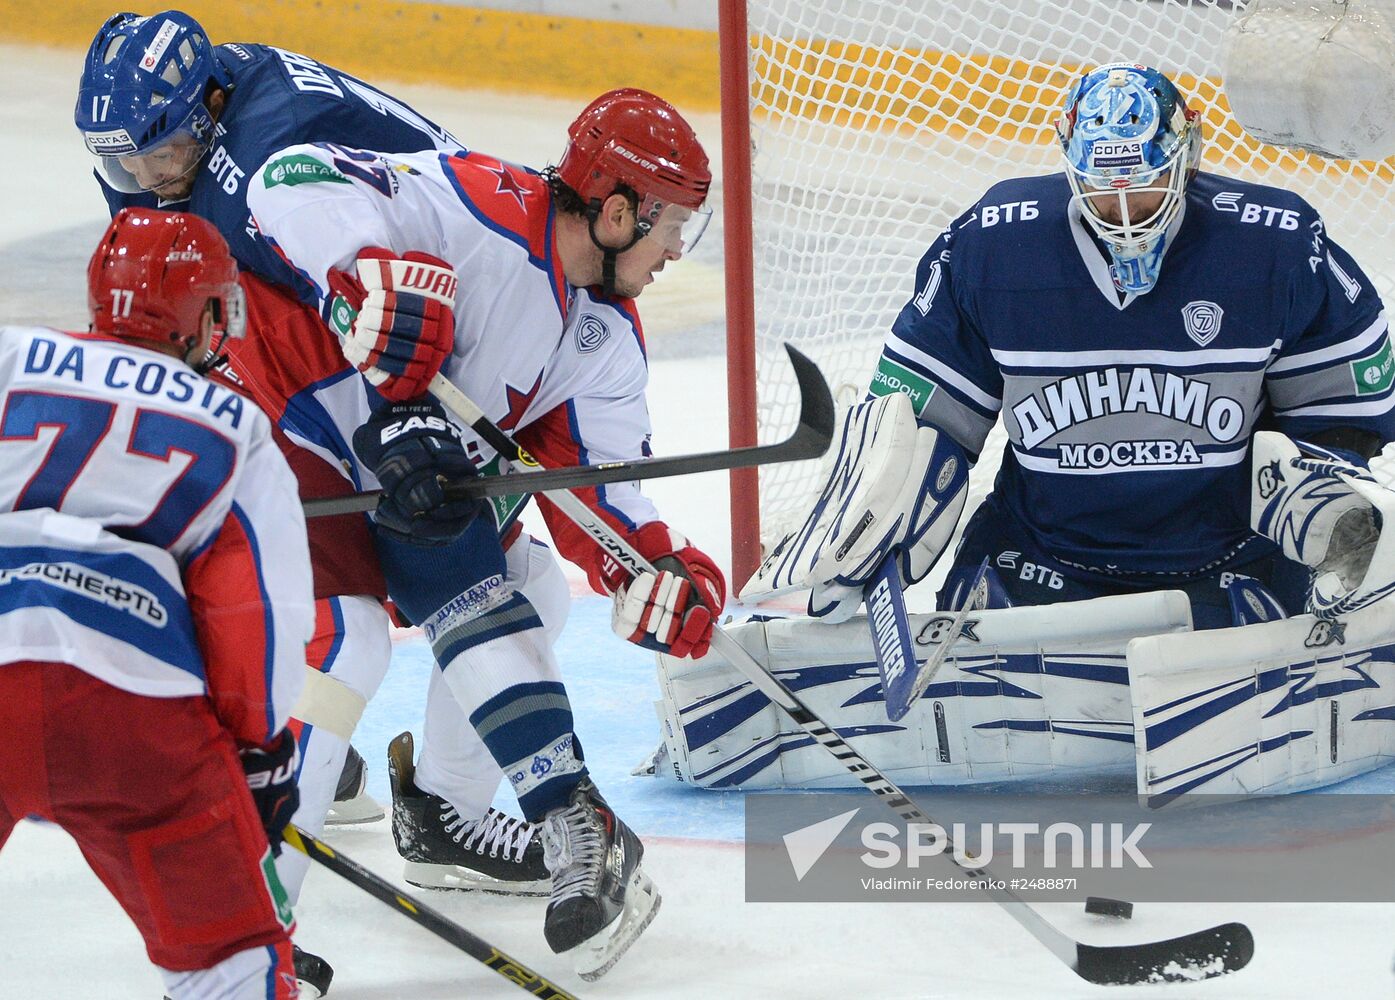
point(1183, 572)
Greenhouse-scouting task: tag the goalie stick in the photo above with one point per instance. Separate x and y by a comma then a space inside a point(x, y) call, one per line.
point(975, 600)
point(810, 440)
point(442, 926)
point(1200, 955)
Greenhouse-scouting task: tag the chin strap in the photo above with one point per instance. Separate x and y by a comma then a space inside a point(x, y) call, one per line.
point(608, 254)
point(214, 358)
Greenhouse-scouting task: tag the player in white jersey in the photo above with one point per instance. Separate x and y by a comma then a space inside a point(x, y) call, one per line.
point(155, 586)
point(1139, 323)
point(518, 288)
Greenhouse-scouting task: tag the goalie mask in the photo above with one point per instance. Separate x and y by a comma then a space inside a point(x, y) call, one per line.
point(1131, 145)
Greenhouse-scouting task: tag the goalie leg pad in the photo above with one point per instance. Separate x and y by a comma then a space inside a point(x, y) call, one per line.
point(1026, 692)
point(1266, 709)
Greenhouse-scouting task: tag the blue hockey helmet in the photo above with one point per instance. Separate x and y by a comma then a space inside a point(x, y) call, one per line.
point(1127, 132)
point(142, 106)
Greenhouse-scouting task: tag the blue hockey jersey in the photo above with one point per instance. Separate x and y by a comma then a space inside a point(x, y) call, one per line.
point(277, 99)
point(1129, 417)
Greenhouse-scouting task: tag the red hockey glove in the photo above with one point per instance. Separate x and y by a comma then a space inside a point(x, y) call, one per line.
point(404, 327)
point(270, 771)
point(673, 610)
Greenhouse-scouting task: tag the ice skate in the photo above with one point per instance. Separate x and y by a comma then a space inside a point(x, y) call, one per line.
point(601, 900)
point(351, 803)
point(442, 850)
point(313, 972)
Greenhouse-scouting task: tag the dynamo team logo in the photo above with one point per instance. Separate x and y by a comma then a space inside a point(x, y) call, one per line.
point(1202, 320)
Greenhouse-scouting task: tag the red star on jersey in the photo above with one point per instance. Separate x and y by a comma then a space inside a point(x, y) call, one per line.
point(518, 403)
point(507, 184)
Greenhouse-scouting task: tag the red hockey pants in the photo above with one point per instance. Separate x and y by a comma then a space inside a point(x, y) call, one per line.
point(153, 792)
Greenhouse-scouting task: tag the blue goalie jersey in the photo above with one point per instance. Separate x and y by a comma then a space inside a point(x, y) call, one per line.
point(1129, 417)
point(278, 99)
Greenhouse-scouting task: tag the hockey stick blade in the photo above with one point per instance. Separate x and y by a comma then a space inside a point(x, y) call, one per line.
point(1201, 955)
point(810, 440)
point(418, 912)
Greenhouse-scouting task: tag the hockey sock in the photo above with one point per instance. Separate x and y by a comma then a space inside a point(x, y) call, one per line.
point(454, 763)
point(528, 729)
point(511, 690)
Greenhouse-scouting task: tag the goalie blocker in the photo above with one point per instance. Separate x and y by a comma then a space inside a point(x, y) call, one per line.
point(893, 492)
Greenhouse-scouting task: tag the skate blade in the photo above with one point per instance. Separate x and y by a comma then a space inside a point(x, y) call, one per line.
point(453, 877)
point(593, 959)
point(362, 808)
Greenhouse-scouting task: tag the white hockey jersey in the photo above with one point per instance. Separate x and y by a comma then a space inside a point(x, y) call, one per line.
point(151, 532)
point(563, 365)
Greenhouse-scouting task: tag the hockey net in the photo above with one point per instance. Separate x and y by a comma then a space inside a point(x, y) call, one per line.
point(874, 123)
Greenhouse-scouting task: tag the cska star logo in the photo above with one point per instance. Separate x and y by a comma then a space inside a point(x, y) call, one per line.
point(518, 401)
point(508, 185)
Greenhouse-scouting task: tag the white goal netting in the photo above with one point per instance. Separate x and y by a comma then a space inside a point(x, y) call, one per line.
point(874, 123)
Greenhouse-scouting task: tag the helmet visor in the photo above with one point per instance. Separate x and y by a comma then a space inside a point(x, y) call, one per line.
point(679, 229)
point(166, 167)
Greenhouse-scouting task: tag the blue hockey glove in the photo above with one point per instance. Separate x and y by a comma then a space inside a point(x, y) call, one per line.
point(413, 449)
point(270, 774)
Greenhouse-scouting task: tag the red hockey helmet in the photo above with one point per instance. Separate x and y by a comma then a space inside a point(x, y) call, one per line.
point(154, 273)
point(630, 136)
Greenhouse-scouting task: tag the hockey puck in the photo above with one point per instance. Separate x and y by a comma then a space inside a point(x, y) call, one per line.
point(1104, 907)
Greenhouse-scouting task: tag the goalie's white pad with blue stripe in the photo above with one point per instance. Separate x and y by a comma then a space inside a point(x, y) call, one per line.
point(1265, 709)
point(1026, 693)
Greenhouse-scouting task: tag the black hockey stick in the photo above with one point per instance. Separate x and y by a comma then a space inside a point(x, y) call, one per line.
point(442, 926)
point(809, 440)
point(1200, 955)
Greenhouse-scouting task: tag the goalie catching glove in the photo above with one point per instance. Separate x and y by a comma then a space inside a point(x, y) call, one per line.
point(405, 324)
point(892, 488)
point(674, 610)
point(1327, 514)
point(414, 449)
